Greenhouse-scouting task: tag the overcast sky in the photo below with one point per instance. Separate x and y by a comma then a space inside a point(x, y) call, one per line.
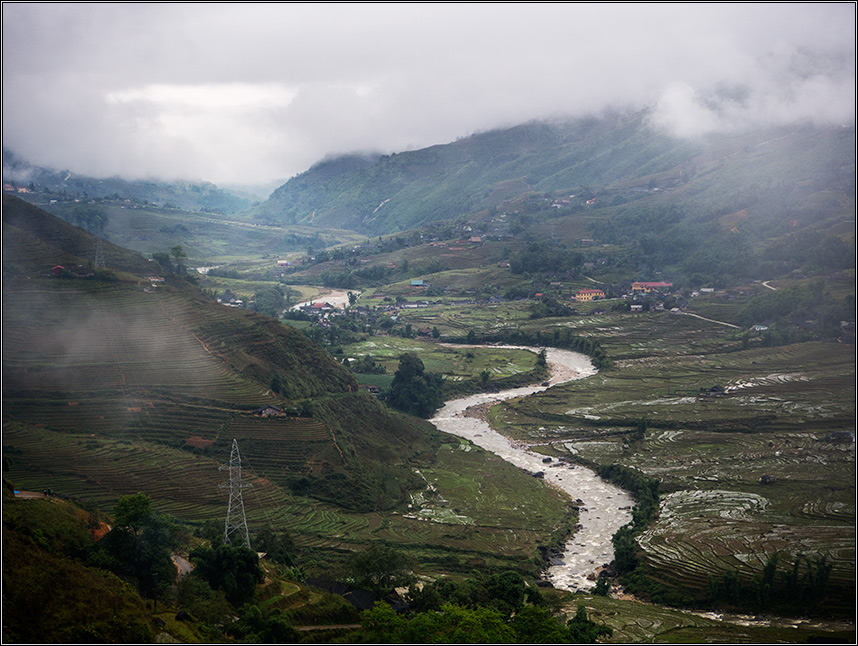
point(249, 93)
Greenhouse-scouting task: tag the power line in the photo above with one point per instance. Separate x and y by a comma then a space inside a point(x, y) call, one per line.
point(236, 521)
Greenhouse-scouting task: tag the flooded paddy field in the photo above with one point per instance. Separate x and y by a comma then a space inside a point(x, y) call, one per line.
point(762, 465)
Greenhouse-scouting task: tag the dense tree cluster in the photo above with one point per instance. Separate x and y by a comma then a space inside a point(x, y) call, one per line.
point(141, 544)
point(791, 590)
point(233, 569)
point(496, 608)
point(795, 313)
point(414, 390)
point(269, 301)
point(543, 256)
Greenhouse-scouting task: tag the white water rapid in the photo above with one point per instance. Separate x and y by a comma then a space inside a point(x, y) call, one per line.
point(606, 507)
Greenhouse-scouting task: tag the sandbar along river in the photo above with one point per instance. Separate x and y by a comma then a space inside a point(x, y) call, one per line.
point(606, 507)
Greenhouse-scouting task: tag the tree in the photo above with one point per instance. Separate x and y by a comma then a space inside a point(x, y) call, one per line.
point(269, 301)
point(198, 598)
point(91, 217)
point(583, 630)
point(453, 624)
point(181, 257)
point(132, 511)
point(163, 259)
point(255, 625)
point(235, 570)
point(508, 588)
point(278, 545)
point(142, 542)
point(381, 569)
point(414, 390)
point(536, 625)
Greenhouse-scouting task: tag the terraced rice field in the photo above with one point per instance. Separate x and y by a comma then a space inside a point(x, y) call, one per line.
point(787, 414)
point(699, 533)
point(121, 390)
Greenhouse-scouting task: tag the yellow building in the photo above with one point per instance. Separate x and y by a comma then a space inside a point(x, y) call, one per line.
point(588, 295)
point(646, 288)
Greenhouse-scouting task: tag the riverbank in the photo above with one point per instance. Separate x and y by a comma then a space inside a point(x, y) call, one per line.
point(603, 507)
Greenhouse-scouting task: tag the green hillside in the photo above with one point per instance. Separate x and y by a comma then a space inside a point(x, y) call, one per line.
point(113, 384)
point(614, 159)
point(117, 358)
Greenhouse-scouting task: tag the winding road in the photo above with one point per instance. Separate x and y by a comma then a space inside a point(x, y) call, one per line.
point(605, 507)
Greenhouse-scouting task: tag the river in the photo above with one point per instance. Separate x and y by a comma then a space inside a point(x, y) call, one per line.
point(605, 507)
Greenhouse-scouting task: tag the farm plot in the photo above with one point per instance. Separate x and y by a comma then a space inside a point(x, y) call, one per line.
point(454, 363)
point(119, 340)
point(99, 471)
point(702, 534)
point(284, 448)
point(784, 388)
point(773, 445)
point(637, 623)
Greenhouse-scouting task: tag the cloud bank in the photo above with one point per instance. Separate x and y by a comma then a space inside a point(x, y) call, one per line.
point(248, 93)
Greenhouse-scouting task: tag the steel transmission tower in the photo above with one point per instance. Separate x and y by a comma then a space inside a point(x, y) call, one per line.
point(99, 253)
point(236, 522)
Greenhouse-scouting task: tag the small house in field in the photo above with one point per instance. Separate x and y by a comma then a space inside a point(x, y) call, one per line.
point(268, 411)
point(715, 391)
point(318, 308)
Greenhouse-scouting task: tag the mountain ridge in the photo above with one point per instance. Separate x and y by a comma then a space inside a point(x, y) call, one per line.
point(411, 189)
point(189, 195)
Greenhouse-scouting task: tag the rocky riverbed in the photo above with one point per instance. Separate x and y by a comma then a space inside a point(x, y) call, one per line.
point(604, 508)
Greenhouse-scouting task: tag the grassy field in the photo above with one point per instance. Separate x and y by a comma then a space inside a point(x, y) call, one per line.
point(456, 364)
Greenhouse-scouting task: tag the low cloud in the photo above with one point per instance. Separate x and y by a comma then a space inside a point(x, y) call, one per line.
point(810, 87)
point(250, 93)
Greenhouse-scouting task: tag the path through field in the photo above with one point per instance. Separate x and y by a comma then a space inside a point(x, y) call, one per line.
point(703, 318)
point(605, 507)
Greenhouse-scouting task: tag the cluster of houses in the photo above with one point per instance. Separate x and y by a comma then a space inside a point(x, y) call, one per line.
point(9, 188)
point(638, 288)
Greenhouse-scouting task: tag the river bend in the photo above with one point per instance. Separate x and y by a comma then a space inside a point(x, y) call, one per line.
point(605, 507)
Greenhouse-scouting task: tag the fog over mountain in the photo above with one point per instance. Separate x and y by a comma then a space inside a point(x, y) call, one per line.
point(251, 93)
